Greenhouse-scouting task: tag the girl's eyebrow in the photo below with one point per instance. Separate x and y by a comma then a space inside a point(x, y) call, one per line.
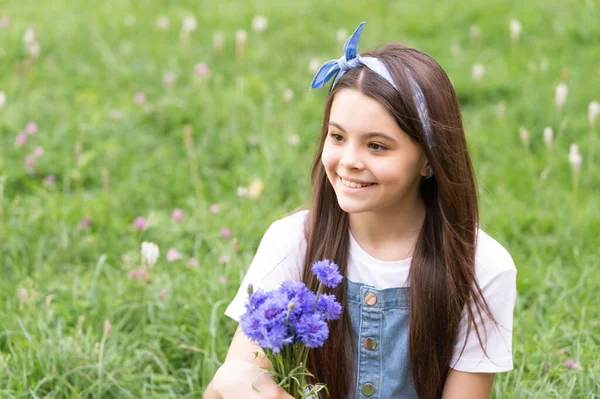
point(365, 135)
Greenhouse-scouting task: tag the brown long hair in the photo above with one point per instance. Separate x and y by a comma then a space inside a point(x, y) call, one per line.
point(442, 274)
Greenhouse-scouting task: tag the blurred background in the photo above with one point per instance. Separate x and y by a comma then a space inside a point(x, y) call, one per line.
point(190, 124)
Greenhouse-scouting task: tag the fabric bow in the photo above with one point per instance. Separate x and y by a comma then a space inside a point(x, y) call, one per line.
point(349, 60)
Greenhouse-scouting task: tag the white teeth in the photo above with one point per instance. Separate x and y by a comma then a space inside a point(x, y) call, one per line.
point(353, 185)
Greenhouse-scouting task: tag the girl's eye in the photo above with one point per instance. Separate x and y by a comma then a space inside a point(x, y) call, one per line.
point(335, 136)
point(379, 147)
point(382, 148)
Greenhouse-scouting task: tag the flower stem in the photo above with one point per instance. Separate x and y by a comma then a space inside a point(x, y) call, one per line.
point(319, 291)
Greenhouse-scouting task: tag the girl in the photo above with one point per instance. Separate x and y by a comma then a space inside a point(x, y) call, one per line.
point(428, 297)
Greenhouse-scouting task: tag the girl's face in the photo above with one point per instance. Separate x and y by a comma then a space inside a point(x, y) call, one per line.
point(365, 144)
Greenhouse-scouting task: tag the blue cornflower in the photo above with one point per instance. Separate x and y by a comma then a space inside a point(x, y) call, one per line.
point(327, 272)
point(257, 298)
point(275, 334)
point(312, 330)
point(271, 323)
point(303, 298)
point(331, 309)
point(251, 325)
point(275, 304)
point(265, 322)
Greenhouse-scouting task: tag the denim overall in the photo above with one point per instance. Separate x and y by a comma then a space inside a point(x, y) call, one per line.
point(380, 333)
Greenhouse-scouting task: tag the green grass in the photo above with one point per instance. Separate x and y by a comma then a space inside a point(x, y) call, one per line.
point(91, 62)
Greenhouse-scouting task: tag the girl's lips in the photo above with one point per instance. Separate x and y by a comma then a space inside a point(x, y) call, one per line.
point(352, 190)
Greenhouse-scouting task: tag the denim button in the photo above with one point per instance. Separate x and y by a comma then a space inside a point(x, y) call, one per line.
point(370, 343)
point(368, 389)
point(371, 299)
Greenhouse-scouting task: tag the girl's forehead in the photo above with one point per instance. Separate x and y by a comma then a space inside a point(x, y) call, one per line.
point(355, 111)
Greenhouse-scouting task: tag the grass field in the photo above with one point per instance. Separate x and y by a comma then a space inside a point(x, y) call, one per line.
point(109, 112)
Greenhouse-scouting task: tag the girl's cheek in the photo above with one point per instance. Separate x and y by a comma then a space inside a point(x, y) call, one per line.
point(328, 158)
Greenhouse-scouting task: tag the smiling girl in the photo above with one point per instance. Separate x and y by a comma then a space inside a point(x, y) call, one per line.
point(428, 296)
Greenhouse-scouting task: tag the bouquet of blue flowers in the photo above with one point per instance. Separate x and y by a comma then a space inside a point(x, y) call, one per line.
point(288, 322)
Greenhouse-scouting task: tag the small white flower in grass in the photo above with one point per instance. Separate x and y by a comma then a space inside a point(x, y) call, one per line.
point(201, 69)
point(107, 328)
point(342, 35)
point(242, 191)
point(524, 133)
point(455, 48)
point(218, 41)
point(255, 188)
point(241, 37)
point(162, 22)
point(192, 263)
point(593, 112)
point(294, 139)
point(572, 364)
point(169, 78)
point(260, 23)
point(288, 95)
point(501, 109)
point(574, 149)
point(162, 294)
point(189, 24)
point(515, 29)
point(140, 273)
point(22, 294)
point(139, 98)
point(34, 49)
point(21, 139)
point(29, 35)
point(561, 95)
point(140, 223)
point(474, 31)
point(575, 158)
point(478, 71)
point(130, 20)
point(4, 22)
point(29, 161)
point(115, 114)
point(177, 214)
point(224, 259)
point(2, 99)
point(150, 253)
point(31, 128)
point(314, 65)
point(225, 233)
point(173, 255)
point(84, 223)
point(548, 136)
point(50, 180)
point(214, 208)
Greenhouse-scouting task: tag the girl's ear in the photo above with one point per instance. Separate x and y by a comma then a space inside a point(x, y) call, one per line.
point(425, 169)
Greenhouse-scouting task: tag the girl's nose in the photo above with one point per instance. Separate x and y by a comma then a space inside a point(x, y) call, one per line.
point(351, 159)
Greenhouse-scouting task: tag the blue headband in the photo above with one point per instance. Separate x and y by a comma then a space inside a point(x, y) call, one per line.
point(351, 59)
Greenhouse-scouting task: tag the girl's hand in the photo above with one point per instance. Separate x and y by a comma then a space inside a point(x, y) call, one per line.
point(234, 379)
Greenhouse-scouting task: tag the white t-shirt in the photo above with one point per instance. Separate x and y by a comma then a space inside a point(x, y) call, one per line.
point(280, 257)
